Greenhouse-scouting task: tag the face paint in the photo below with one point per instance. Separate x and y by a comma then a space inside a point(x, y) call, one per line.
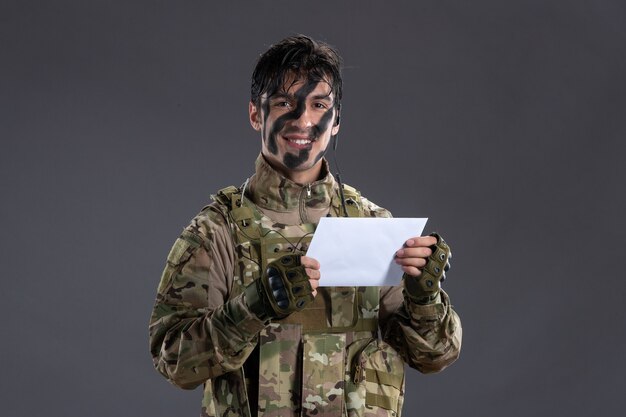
point(284, 132)
point(295, 114)
point(320, 155)
point(292, 161)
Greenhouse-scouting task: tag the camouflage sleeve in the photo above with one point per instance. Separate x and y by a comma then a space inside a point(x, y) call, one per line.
point(372, 210)
point(428, 337)
point(195, 333)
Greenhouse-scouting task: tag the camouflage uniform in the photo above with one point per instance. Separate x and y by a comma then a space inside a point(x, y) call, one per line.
point(343, 355)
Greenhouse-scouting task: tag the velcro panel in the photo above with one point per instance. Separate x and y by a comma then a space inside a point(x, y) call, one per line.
point(313, 317)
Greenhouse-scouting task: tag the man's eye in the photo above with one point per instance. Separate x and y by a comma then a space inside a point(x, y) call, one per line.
point(282, 104)
point(319, 105)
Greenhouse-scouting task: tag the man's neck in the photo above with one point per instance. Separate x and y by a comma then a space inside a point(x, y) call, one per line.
point(304, 177)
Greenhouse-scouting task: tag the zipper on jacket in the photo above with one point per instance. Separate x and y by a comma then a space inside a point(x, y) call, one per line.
point(304, 194)
point(357, 373)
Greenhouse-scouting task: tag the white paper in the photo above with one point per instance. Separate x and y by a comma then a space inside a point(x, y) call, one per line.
point(360, 251)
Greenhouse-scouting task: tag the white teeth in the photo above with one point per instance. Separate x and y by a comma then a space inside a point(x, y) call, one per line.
point(300, 141)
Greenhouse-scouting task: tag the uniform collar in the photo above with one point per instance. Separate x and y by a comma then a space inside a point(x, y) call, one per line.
point(267, 188)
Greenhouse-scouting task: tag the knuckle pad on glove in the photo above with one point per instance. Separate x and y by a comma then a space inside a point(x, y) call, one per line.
point(287, 286)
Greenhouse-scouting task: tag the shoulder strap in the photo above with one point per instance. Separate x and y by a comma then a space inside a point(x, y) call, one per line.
point(224, 196)
point(231, 200)
point(354, 205)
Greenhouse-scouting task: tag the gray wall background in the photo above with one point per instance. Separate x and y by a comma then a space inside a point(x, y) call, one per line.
point(502, 121)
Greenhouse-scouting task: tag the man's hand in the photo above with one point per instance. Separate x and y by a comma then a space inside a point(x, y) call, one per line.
point(288, 284)
point(424, 260)
point(312, 268)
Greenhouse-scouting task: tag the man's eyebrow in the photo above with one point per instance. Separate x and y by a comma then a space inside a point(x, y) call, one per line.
point(322, 97)
point(284, 95)
point(281, 94)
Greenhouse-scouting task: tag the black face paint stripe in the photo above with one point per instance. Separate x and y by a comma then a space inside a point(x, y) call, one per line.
point(292, 161)
point(319, 156)
point(323, 124)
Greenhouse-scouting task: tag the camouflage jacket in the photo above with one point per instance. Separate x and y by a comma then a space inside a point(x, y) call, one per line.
point(342, 356)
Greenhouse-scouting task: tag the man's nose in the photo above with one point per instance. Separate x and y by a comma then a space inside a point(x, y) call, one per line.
point(305, 120)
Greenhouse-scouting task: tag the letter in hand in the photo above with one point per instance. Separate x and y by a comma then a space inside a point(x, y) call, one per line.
point(282, 289)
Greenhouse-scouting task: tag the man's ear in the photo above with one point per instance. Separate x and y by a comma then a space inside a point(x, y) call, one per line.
point(336, 123)
point(337, 120)
point(255, 116)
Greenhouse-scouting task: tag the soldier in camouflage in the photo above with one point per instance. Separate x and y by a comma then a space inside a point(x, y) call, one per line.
point(239, 307)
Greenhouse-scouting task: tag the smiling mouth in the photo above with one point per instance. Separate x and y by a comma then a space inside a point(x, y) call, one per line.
point(299, 141)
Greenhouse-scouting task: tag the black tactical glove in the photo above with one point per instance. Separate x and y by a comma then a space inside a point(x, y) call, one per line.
point(283, 288)
point(424, 288)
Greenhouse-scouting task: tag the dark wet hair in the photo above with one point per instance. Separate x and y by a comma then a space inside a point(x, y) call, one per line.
point(299, 55)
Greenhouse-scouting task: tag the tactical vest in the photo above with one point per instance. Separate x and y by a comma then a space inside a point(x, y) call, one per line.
point(324, 361)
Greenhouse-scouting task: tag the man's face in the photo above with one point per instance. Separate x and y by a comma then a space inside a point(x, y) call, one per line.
point(296, 125)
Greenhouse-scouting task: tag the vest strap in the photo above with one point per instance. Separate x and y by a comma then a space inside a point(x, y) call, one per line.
point(224, 195)
point(314, 322)
point(386, 402)
point(315, 318)
point(380, 377)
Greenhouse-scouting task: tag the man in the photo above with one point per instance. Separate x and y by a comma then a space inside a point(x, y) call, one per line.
point(239, 308)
